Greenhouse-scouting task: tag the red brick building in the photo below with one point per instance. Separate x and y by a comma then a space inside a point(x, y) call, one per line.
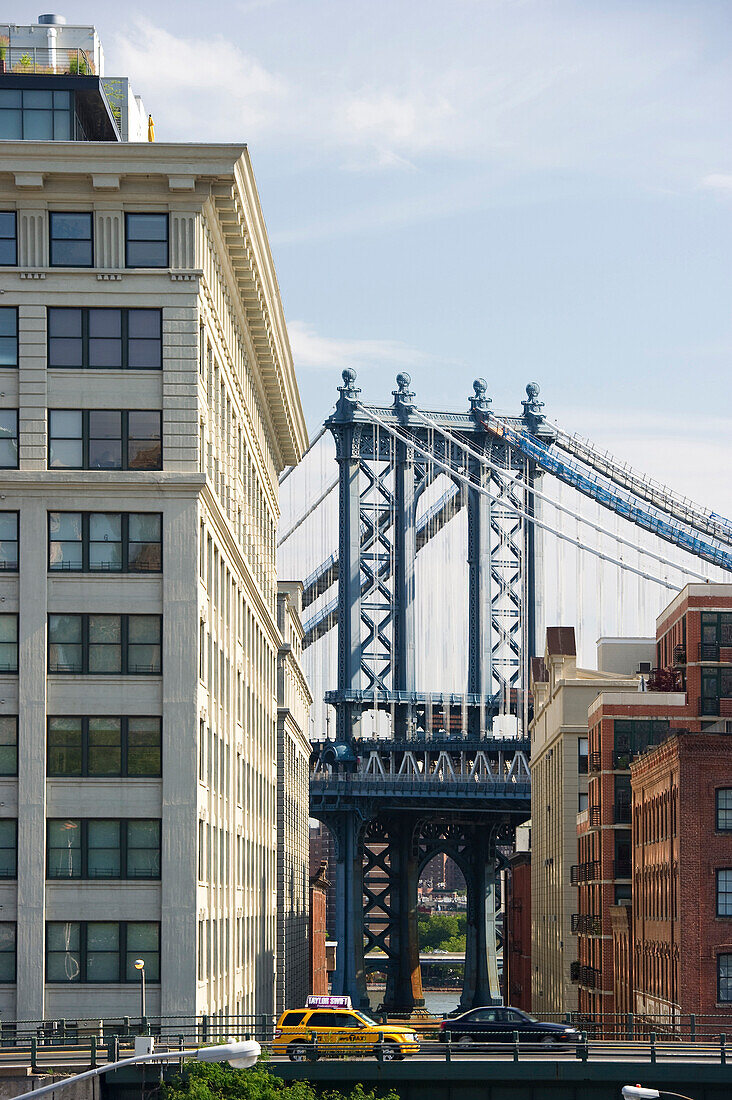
point(682, 879)
point(690, 691)
point(318, 906)
point(517, 933)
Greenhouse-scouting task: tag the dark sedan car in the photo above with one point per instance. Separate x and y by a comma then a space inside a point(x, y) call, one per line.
point(497, 1025)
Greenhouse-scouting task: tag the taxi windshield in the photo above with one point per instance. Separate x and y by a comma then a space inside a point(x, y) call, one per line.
point(367, 1019)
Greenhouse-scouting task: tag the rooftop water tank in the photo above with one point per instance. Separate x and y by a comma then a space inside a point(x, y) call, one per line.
point(51, 18)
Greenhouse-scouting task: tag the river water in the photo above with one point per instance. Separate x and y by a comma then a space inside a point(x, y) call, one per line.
point(436, 1003)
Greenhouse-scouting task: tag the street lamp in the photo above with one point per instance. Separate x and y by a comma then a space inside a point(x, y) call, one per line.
point(636, 1092)
point(140, 965)
point(239, 1055)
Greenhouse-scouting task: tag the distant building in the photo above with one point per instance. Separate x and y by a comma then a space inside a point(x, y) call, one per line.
point(322, 850)
point(293, 777)
point(517, 924)
point(562, 693)
point(682, 880)
point(318, 969)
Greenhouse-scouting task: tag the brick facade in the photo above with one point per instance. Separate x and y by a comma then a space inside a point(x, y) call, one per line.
point(517, 938)
point(318, 964)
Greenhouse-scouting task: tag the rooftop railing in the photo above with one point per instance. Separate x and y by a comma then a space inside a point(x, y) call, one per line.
point(34, 59)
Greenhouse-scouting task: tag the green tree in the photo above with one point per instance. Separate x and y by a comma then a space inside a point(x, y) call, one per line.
point(218, 1081)
point(442, 931)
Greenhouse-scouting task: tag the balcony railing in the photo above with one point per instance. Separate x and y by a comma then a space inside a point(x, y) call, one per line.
point(584, 872)
point(585, 975)
point(586, 923)
point(39, 59)
point(574, 971)
point(594, 762)
point(708, 651)
point(595, 817)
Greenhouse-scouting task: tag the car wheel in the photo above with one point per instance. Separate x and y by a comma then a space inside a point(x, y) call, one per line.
point(465, 1041)
point(547, 1041)
point(297, 1052)
point(389, 1052)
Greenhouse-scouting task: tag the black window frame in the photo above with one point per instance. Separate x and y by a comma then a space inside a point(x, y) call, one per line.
point(124, 337)
point(11, 670)
point(86, 542)
point(13, 873)
point(727, 893)
point(65, 214)
point(14, 336)
point(14, 238)
point(10, 744)
point(10, 567)
point(147, 213)
point(122, 978)
point(726, 977)
point(124, 644)
point(724, 809)
point(124, 769)
point(15, 436)
point(124, 850)
point(10, 924)
point(124, 440)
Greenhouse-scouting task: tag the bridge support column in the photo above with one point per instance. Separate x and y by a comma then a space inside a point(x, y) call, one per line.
point(404, 979)
point(405, 546)
point(349, 977)
point(481, 985)
point(480, 626)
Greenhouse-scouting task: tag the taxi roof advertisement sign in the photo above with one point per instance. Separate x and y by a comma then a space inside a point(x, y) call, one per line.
point(328, 1002)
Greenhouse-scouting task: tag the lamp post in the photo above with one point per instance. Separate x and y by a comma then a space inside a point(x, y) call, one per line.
point(239, 1055)
point(140, 965)
point(637, 1092)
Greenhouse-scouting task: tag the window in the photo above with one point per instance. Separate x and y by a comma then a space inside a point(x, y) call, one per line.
point(724, 893)
point(104, 439)
point(71, 240)
point(8, 643)
point(8, 234)
point(102, 542)
point(9, 542)
point(100, 747)
point(8, 744)
point(8, 847)
point(101, 951)
point(122, 339)
point(146, 240)
point(91, 848)
point(103, 644)
point(8, 332)
point(35, 114)
point(582, 754)
point(9, 439)
point(724, 978)
point(582, 802)
point(7, 951)
point(724, 809)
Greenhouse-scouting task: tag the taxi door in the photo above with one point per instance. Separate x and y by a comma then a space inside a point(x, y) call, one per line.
point(353, 1034)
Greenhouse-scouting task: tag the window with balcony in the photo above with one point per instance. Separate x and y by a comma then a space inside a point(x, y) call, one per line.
point(105, 747)
point(724, 809)
point(8, 744)
point(146, 240)
point(716, 684)
point(35, 114)
point(71, 239)
point(9, 522)
point(9, 439)
point(716, 631)
point(105, 339)
point(8, 333)
point(105, 439)
point(635, 736)
point(104, 542)
point(127, 645)
point(724, 893)
point(101, 951)
point(8, 232)
point(8, 643)
point(89, 848)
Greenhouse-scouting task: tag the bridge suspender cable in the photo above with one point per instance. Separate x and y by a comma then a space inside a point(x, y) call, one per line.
point(446, 434)
point(455, 474)
point(311, 509)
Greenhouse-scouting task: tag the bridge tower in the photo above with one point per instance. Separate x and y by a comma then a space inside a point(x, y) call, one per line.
point(440, 780)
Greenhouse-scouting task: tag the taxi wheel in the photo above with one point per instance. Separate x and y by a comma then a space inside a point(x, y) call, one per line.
point(390, 1052)
point(297, 1052)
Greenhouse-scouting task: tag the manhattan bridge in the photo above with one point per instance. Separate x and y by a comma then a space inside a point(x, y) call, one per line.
point(436, 547)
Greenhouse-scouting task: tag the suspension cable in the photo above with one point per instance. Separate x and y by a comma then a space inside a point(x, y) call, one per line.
point(457, 475)
point(309, 512)
point(482, 458)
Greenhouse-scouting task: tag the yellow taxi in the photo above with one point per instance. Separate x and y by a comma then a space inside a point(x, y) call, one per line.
point(330, 1026)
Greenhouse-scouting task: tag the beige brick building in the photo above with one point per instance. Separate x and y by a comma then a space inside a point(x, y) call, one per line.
point(562, 694)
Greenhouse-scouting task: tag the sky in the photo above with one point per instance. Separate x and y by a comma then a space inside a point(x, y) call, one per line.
point(524, 190)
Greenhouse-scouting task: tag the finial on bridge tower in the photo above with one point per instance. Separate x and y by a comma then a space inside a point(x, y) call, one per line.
point(479, 403)
point(403, 396)
point(349, 395)
point(533, 406)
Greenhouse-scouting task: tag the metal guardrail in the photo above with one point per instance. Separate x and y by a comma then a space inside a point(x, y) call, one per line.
point(37, 59)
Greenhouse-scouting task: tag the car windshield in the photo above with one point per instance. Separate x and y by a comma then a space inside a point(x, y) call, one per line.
point(528, 1016)
point(367, 1019)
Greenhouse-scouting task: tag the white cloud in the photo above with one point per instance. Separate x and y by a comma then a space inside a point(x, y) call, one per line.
point(311, 350)
point(718, 181)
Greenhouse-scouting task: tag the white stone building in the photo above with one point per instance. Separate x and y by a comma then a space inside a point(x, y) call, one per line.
point(147, 405)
